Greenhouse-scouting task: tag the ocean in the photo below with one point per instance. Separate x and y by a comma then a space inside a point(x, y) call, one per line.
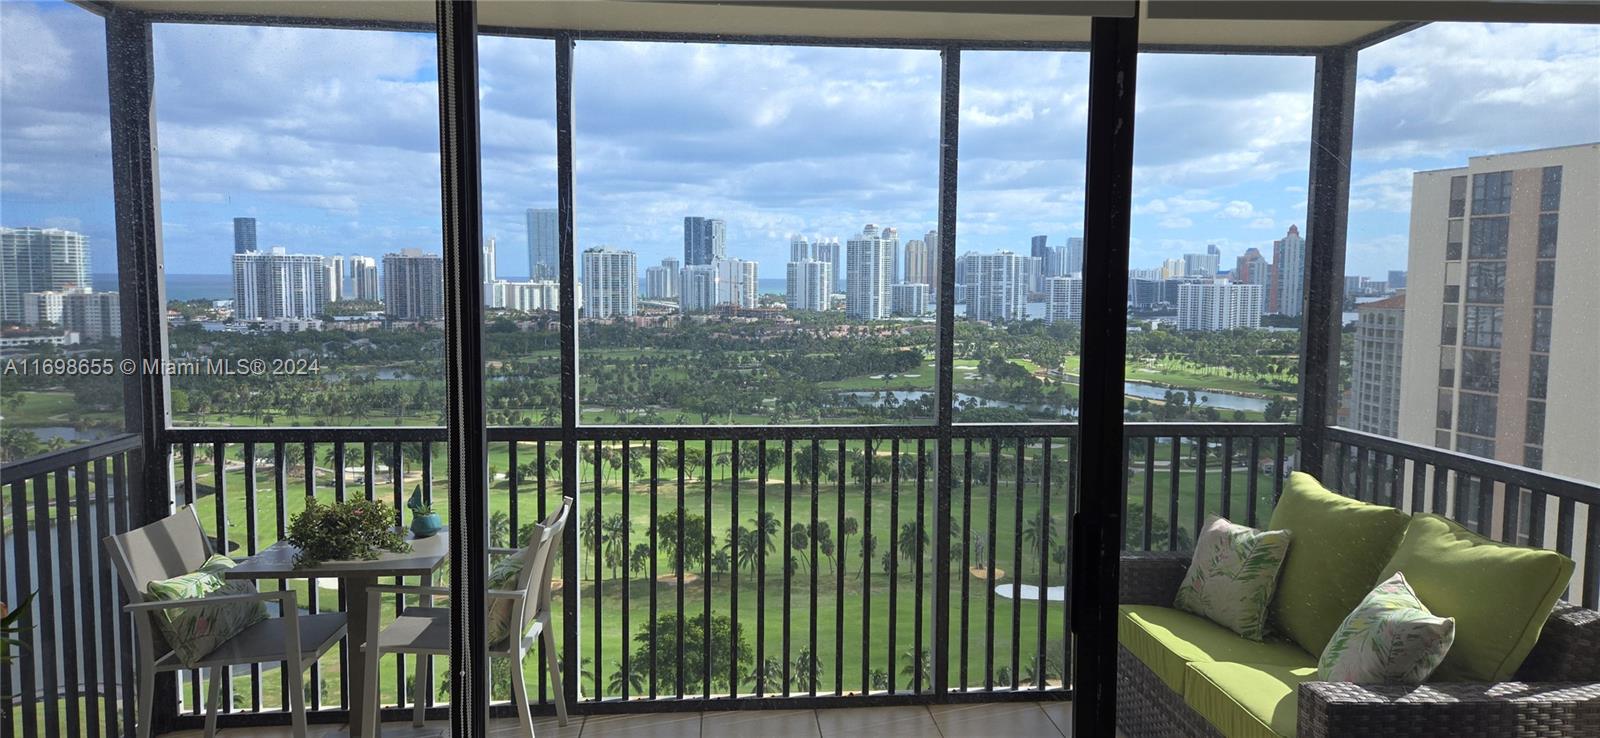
point(181, 286)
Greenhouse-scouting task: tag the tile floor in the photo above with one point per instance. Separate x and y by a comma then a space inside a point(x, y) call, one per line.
point(988, 720)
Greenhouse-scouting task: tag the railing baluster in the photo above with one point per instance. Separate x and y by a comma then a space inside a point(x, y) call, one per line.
point(599, 574)
point(1591, 557)
point(1340, 451)
point(1149, 515)
point(1510, 504)
point(402, 688)
point(1566, 512)
point(868, 456)
point(1536, 514)
point(1066, 564)
point(1016, 568)
point(1396, 467)
point(1045, 526)
point(705, 566)
point(219, 461)
point(48, 638)
point(123, 521)
point(841, 470)
point(735, 528)
point(1175, 472)
point(108, 616)
point(993, 543)
point(627, 525)
point(1485, 489)
point(816, 525)
point(893, 556)
point(1252, 484)
point(280, 483)
point(1202, 450)
point(761, 568)
point(8, 593)
point(921, 532)
point(1277, 470)
point(677, 555)
point(1227, 477)
point(1441, 489)
point(655, 573)
point(966, 563)
point(26, 654)
point(250, 550)
point(788, 558)
point(540, 459)
point(1419, 485)
point(88, 643)
point(313, 601)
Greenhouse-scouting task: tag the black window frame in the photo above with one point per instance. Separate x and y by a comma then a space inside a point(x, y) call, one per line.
point(1549, 231)
point(1538, 376)
point(1486, 282)
point(1488, 238)
point(1544, 283)
point(1543, 318)
point(1550, 188)
point(1458, 196)
point(1477, 414)
point(1480, 370)
point(1533, 424)
point(1491, 193)
point(1483, 326)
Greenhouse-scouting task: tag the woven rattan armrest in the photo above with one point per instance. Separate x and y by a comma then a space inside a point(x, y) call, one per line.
point(1456, 710)
point(1152, 578)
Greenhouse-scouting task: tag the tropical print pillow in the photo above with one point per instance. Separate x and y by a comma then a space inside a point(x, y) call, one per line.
point(1231, 579)
point(1390, 638)
point(503, 576)
point(197, 630)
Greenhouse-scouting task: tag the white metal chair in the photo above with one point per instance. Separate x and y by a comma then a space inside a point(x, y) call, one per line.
point(425, 630)
point(176, 546)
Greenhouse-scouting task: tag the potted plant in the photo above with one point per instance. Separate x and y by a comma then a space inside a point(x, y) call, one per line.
point(355, 529)
point(424, 521)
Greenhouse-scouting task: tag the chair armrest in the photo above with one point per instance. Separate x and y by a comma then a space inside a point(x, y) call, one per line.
point(1451, 709)
point(287, 596)
point(503, 551)
point(502, 594)
point(1568, 649)
point(1152, 578)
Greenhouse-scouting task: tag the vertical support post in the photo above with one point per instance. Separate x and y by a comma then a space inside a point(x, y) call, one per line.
point(570, 596)
point(463, 310)
point(1113, 59)
point(1328, 200)
point(130, 70)
point(949, 124)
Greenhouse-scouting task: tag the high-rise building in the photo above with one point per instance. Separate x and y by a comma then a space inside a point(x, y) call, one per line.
point(1500, 338)
point(1040, 249)
point(544, 244)
point(922, 266)
point(697, 288)
point(705, 240)
point(1032, 274)
point(490, 272)
point(799, 248)
point(92, 315)
point(1218, 306)
point(1287, 293)
point(830, 251)
point(997, 289)
point(892, 238)
point(810, 285)
point(413, 285)
point(1202, 265)
point(1073, 263)
point(1065, 302)
point(661, 282)
point(910, 300)
point(364, 279)
point(40, 260)
point(530, 296)
point(870, 260)
point(1172, 269)
point(244, 235)
point(273, 284)
point(333, 277)
point(610, 283)
point(1252, 268)
point(737, 282)
point(1375, 370)
point(1397, 279)
point(930, 241)
point(1143, 293)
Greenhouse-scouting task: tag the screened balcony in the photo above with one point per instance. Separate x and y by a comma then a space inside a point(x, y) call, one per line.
point(931, 534)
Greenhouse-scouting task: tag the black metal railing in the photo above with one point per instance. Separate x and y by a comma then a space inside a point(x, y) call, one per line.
point(73, 672)
point(1503, 501)
point(748, 566)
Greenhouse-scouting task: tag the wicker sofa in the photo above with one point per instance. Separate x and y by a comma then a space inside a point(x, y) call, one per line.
point(1557, 692)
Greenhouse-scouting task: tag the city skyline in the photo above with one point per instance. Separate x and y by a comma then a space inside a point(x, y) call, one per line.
point(1227, 189)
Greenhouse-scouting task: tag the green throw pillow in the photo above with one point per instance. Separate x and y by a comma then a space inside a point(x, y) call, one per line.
point(197, 630)
point(1499, 595)
point(1340, 545)
point(1391, 638)
point(1231, 578)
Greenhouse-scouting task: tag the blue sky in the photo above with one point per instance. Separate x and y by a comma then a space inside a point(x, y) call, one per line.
point(330, 138)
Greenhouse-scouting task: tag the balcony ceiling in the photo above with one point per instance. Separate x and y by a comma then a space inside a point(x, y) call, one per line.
point(1201, 23)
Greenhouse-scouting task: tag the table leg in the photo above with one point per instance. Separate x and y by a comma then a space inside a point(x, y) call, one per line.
point(355, 602)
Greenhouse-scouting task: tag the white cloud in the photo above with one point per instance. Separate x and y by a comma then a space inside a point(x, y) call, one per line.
point(1176, 221)
point(1238, 210)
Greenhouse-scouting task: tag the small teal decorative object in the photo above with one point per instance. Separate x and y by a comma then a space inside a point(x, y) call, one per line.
point(424, 521)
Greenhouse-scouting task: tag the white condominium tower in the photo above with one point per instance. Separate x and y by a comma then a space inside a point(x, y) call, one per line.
point(1066, 300)
point(333, 267)
point(830, 251)
point(413, 285)
point(1218, 306)
point(810, 285)
point(661, 282)
point(276, 284)
point(40, 260)
point(909, 299)
point(997, 289)
point(922, 263)
point(870, 260)
point(697, 288)
point(610, 283)
point(1288, 289)
point(737, 283)
point(363, 279)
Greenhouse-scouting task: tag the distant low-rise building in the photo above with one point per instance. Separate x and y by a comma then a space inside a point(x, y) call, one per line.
point(1218, 306)
point(911, 300)
point(94, 315)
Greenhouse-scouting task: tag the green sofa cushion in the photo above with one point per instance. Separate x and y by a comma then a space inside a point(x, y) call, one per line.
point(1243, 700)
point(1168, 640)
point(1500, 595)
point(1340, 546)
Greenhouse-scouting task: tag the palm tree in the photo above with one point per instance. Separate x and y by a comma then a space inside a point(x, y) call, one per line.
point(634, 678)
point(916, 662)
point(499, 529)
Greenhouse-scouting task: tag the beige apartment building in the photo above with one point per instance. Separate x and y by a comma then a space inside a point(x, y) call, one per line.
point(1502, 314)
